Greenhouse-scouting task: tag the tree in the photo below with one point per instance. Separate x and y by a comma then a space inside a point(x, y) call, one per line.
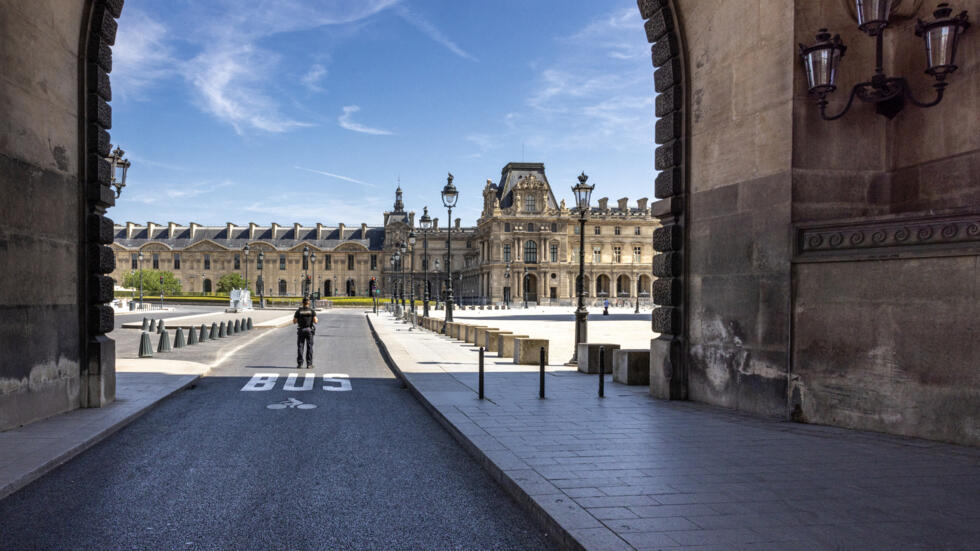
point(231, 281)
point(151, 282)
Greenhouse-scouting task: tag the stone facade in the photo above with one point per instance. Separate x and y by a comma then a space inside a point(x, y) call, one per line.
point(522, 225)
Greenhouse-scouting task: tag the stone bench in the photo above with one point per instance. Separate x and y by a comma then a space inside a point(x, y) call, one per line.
point(588, 356)
point(457, 329)
point(481, 335)
point(491, 340)
point(472, 331)
point(527, 351)
point(505, 344)
point(631, 366)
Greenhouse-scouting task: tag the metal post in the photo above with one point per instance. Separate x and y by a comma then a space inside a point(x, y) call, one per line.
point(602, 371)
point(449, 266)
point(481, 372)
point(141, 280)
point(541, 363)
point(411, 290)
point(425, 268)
point(581, 314)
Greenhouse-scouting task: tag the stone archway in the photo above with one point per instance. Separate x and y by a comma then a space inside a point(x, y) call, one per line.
point(602, 286)
point(531, 287)
point(623, 286)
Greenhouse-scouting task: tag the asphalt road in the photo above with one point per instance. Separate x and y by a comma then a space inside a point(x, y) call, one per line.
point(215, 468)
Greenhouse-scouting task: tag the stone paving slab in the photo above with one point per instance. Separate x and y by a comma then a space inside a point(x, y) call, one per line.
point(632, 472)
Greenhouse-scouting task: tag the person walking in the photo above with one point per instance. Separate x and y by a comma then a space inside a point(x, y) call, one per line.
point(305, 320)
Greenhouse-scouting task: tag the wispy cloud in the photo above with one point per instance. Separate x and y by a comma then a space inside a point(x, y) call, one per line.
point(337, 176)
point(344, 120)
point(416, 20)
point(313, 77)
point(141, 55)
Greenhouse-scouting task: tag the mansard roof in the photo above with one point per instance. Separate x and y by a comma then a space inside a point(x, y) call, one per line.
point(512, 173)
point(282, 238)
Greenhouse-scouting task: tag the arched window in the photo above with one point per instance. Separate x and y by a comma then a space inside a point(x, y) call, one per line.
point(282, 287)
point(530, 252)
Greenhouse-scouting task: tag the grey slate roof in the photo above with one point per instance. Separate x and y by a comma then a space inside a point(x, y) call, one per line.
point(511, 173)
point(285, 237)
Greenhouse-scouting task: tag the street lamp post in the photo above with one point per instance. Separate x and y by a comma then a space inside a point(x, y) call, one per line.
point(449, 197)
point(426, 224)
point(401, 275)
point(524, 284)
point(261, 284)
point(140, 256)
point(313, 293)
point(507, 278)
point(583, 193)
point(306, 269)
point(245, 254)
point(411, 277)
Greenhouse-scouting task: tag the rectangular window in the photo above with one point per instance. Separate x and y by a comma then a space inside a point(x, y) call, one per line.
point(176, 261)
point(553, 252)
point(326, 261)
point(282, 262)
point(506, 252)
point(598, 230)
point(374, 262)
point(156, 261)
point(636, 230)
point(135, 260)
point(578, 229)
point(637, 254)
point(350, 262)
point(617, 230)
point(238, 262)
point(530, 252)
point(597, 255)
point(529, 204)
point(617, 254)
point(207, 262)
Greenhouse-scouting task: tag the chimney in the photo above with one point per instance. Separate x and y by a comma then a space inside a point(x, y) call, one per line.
point(275, 231)
point(194, 227)
point(641, 203)
point(229, 227)
point(435, 223)
point(458, 220)
point(624, 204)
point(363, 230)
point(340, 230)
point(296, 230)
point(251, 230)
point(319, 231)
point(171, 229)
point(130, 226)
point(604, 204)
point(150, 228)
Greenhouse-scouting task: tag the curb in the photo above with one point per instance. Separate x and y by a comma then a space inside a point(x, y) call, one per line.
point(554, 529)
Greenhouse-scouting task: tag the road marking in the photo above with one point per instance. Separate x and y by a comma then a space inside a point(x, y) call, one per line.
point(291, 403)
point(308, 380)
point(332, 382)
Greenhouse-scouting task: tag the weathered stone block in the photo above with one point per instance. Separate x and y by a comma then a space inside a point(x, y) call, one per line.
point(667, 381)
point(667, 265)
point(481, 335)
point(668, 238)
point(472, 331)
point(667, 75)
point(100, 388)
point(666, 320)
point(527, 351)
point(588, 356)
point(659, 24)
point(668, 155)
point(668, 128)
point(491, 339)
point(650, 7)
point(631, 366)
point(669, 183)
point(667, 291)
point(505, 345)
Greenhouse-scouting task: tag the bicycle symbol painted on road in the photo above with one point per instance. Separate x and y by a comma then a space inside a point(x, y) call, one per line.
point(291, 403)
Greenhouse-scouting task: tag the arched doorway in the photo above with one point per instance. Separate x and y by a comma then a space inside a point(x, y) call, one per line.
point(586, 287)
point(531, 287)
point(282, 287)
point(207, 286)
point(623, 288)
point(645, 281)
point(351, 288)
point(328, 288)
point(602, 285)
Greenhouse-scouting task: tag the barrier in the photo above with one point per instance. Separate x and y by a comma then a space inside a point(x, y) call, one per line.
point(505, 345)
point(588, 355)
point(526, 350)
point(146, 347)
point(491, 340)
point(631, 366)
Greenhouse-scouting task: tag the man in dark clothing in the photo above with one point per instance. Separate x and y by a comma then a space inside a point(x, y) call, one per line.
point(305, 320)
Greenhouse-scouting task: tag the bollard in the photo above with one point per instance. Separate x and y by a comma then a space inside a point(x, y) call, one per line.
point(146, 324)
point(146, 347)
point(204, 333)
point(222, 331)
point(164, 344)
point(192, 336)
point(250, 324)
point(179, 338)
point(238, 327)
point(153, 326)
point(541, 385)
point(244, 325)
point(481, 372)
point(214, 330)
point(602, 371)
point(161, 327)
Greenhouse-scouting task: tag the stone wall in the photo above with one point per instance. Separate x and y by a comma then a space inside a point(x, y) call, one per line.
point(40, 321)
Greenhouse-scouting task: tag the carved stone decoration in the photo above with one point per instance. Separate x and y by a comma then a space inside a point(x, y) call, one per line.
point(919, 236)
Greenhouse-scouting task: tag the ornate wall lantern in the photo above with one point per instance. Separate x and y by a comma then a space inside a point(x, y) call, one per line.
point(821, 60)
point(118, 167)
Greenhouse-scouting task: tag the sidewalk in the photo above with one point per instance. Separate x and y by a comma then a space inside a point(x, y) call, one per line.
point(29, 452)
point(632, 472)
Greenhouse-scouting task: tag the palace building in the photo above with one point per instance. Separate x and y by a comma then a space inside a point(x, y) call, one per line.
point(524, 243)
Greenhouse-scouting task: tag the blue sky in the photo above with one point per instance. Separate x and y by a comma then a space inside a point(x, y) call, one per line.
point(313, 110)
